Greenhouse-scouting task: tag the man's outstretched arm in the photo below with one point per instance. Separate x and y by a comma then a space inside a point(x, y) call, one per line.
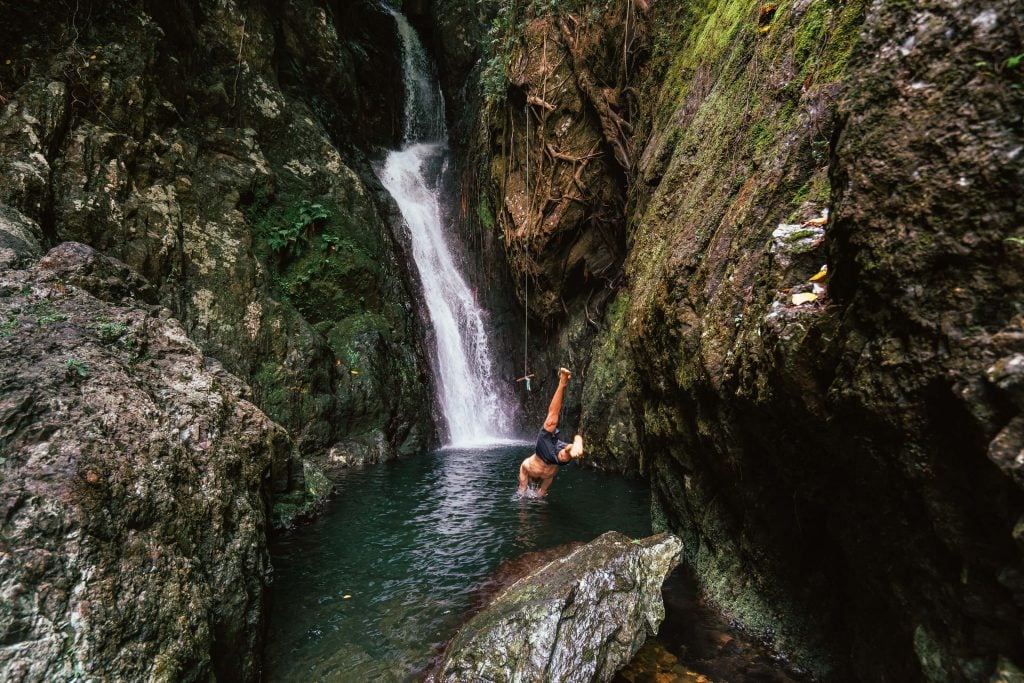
point(551, 422)
point(576, 450)
point(573, 450)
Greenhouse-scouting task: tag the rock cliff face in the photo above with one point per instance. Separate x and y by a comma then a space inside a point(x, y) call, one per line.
point(218, 149)
point(214, 157)
point(844, 472)
point(134, 478)
point(578, 618)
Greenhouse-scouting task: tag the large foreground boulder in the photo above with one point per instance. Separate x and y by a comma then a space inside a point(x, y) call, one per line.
point(578, 618)
point(132, 476)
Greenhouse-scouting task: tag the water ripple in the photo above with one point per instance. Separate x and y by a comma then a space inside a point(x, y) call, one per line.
point(409, 541)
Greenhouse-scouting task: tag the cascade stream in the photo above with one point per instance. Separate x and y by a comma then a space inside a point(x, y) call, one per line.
point(472, 401)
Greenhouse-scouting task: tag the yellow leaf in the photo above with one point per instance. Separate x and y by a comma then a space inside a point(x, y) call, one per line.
point(820, 274)
point(92, 56)
point(354, 372)
point(804, 298)
point(7, 61)
point(815, 222)
point(346, 596)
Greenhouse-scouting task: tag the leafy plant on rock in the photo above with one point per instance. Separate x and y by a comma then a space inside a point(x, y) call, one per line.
point(329, 242)
point(75, 370)
point(111, 333)
point(46, 313)
point(8, 327)
point(297, 226)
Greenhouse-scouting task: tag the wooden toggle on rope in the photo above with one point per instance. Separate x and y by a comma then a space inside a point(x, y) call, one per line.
point(526, 379)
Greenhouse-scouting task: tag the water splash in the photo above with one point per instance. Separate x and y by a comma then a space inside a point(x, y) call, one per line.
point(472, 401)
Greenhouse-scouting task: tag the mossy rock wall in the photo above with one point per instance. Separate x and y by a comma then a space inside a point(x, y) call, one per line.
point(843, 472)
point(182, 138)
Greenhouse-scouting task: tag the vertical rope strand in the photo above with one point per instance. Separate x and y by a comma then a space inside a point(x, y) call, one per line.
point(526, 261)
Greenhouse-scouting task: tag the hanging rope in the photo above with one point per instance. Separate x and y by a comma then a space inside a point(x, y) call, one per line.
point(526, 262)
point(526, 329)
point(526, 270)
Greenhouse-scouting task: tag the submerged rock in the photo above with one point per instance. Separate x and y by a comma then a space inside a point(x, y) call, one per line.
point(578, 618)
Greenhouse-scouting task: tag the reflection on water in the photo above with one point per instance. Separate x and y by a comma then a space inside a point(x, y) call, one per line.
point(408, 542)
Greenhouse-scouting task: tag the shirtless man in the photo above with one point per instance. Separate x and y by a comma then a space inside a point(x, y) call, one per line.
point(551, 453)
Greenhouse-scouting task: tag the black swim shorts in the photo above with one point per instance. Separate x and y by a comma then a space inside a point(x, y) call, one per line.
point(549, 446)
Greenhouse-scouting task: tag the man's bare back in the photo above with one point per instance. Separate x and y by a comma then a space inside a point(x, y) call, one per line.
point(543, 465)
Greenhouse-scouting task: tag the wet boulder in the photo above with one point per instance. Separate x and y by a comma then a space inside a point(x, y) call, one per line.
point(580, 617)
point(133, 474)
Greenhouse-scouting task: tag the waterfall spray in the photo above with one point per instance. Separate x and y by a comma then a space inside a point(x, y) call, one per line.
point(471, 400)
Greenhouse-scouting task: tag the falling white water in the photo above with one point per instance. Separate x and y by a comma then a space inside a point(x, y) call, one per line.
point(469, 396)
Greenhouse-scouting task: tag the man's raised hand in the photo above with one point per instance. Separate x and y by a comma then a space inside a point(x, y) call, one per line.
point(564, 375)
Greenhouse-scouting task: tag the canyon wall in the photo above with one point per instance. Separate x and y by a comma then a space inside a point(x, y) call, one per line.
point(222, 151)
point(222, 317)
point(781, 245)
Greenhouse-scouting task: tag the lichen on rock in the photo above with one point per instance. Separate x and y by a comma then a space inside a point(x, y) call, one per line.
point(178, 137)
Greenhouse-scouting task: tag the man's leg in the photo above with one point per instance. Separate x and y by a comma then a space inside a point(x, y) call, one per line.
point(551, 421)
point(545, 484)
point(577, 447)
point(524, 479)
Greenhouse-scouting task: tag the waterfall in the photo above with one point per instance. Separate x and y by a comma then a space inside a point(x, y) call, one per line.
point(470, 398)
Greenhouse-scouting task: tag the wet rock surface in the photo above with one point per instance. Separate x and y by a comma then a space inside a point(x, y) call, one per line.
point(698, 644)
point(843, 468)
point(578, 618)
point(134, 483)
point(220, 151)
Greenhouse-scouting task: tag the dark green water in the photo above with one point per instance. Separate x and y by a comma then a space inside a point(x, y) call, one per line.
point(410, 541)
